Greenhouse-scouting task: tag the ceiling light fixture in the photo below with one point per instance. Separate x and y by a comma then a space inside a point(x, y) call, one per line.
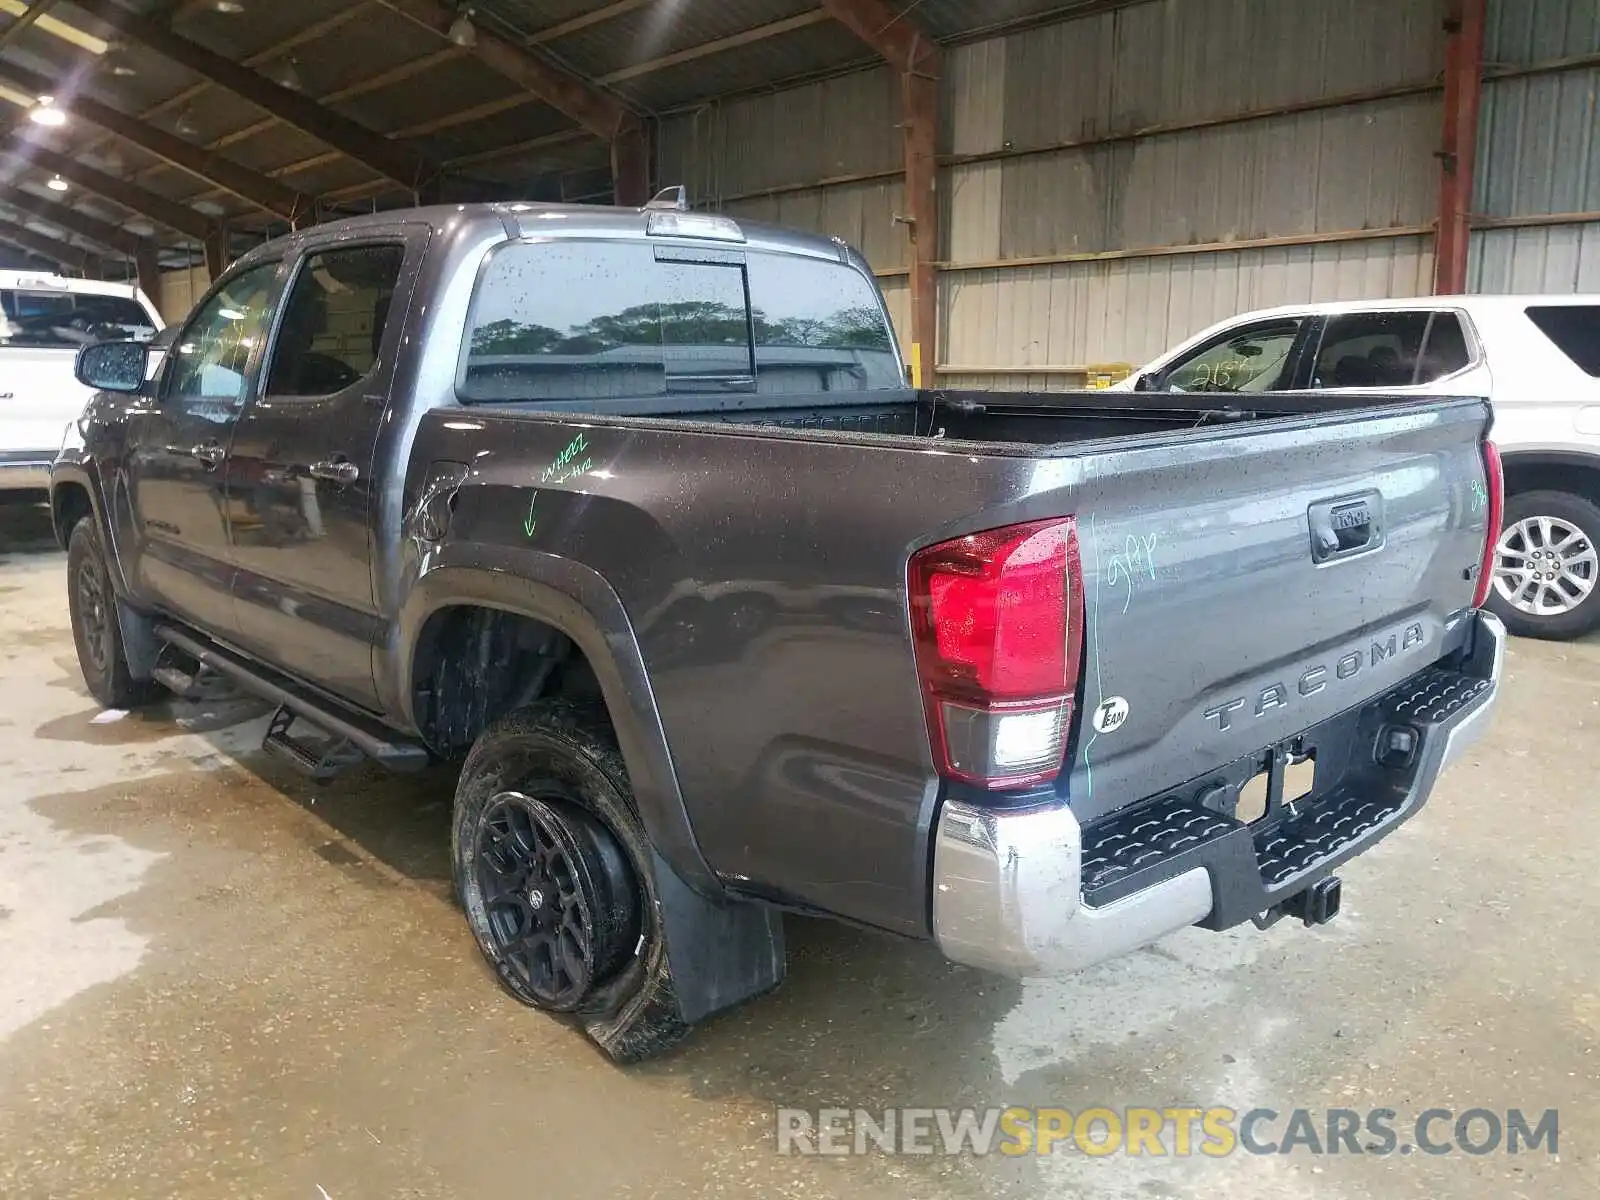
point(287, 75)
point(462, 31)
point(119, 61)
point(231, 7)
point(57, 184)
point(183, 124)
point(46, 113)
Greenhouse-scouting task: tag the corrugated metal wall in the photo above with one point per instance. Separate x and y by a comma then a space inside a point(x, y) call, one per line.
point(762, 157)
point(1113, 183)
point(1539, 149)
point(1148, 172)
point(824, 157)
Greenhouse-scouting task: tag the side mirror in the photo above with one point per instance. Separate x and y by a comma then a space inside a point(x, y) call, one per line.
point(1149, 381)
point(112, 366)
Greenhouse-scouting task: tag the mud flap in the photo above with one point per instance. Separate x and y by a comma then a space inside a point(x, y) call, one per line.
point(140, 647)
point(720, 953)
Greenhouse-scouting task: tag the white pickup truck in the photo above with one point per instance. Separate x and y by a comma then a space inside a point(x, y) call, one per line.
point(1537, 358)
point(44, 319)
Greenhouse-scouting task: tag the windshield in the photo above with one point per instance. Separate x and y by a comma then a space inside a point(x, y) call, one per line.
point(71, 319)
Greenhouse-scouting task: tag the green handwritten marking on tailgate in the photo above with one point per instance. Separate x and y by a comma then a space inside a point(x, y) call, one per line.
point(1480, 496)
point(531, 521)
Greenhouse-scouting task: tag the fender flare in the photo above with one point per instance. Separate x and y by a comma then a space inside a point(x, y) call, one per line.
point(1539, 456)
point(139, 643)
point(77, 472)
point(578, 602)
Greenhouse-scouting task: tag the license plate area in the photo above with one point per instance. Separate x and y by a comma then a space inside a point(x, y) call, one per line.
point(1287, 775)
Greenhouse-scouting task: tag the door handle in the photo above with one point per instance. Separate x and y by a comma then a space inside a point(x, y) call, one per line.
point(336, 470)
point(210, 454)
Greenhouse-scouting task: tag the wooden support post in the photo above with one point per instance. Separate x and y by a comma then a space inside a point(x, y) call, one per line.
point(149, 269)
point(920, 106)
point(630, 164)
point(216, 247)
point(908, 51)
point(1463, 94)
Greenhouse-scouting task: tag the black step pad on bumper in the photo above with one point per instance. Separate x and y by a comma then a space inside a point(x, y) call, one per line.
point(1254, 867)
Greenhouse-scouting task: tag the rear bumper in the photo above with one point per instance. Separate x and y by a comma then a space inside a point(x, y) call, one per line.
point(1034, 893)
point(25, 471)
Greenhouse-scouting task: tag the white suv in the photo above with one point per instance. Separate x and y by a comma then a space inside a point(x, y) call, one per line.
point(1536, 357)
point(44, 319)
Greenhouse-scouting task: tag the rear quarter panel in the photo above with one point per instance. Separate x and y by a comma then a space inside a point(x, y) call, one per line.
point(763, 575)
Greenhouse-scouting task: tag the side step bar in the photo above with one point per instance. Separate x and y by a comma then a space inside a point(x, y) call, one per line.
point(321, 760)
point(368, 737)
point(183, 684)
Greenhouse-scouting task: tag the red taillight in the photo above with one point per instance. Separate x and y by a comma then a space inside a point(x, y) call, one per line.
point(1497, 507)
point(998, 619)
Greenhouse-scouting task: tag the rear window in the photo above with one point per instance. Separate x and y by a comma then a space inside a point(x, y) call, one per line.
point(580, 322)
point(70, 319)
point(1575, 329)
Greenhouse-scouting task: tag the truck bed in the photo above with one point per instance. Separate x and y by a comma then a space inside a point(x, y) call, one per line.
point(1023, 418)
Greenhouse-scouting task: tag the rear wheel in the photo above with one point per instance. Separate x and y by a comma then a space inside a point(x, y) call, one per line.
point(553, 868)
point(560, 907)
point(92, 606)
point(1547, 566)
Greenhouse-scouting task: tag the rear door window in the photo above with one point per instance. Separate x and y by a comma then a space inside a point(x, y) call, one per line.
point(1575, 330)
point(1370, 350)
point(1444, 349)
point(1390, 349)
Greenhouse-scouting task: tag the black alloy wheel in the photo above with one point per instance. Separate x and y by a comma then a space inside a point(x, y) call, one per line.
point(552, 879)
point(93, 614)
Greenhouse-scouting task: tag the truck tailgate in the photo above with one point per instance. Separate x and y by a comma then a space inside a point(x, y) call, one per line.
point(1243, 586)
point(39, 398)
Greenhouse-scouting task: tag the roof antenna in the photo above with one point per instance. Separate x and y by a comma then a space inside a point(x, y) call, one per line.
point(672, 199)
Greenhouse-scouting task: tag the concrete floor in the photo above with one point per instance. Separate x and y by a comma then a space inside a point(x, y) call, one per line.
point(219, 980)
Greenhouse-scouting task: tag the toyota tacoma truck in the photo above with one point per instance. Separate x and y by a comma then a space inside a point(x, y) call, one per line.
point(633, 513)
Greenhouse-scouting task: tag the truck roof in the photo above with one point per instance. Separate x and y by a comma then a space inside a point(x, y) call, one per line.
point(44, 281)
point(529, 219)
point(1466, 303)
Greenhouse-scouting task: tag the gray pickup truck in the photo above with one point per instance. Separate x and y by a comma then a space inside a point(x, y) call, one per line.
point(633, 511)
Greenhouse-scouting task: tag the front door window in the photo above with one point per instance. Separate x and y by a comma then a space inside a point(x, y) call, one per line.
point(1255, 358)
point(207, 366)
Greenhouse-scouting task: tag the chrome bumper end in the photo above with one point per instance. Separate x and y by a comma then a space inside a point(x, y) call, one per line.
point(1489, 659)
point(1007, 896)
point(1007, 888)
